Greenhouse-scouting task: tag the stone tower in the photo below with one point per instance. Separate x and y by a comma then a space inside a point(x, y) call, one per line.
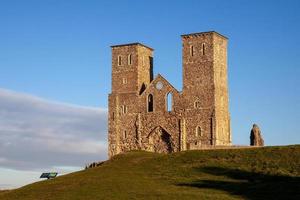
point(131, 68)
point(205, 87)
point(132, 71)
point(150, 114)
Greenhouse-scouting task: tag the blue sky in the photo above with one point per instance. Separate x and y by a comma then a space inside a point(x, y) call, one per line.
point(60, 51)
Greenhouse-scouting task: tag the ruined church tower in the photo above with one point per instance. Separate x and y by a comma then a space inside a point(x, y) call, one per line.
point(149, 114)
point(205, 87)
point(132, 71)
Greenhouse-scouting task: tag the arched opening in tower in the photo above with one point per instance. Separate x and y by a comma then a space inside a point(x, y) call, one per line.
point(169, 102)
point(160, 141)
point(150, 103)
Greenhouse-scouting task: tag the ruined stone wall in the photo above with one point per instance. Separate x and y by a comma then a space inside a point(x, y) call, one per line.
point(167, 122)
point(160, 117)
point(130, 69)
point(197, 117)
point(160, 96)
point(121, 124)
point(198, 128)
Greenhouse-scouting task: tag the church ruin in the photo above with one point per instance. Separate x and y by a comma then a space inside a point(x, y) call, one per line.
point(147, 113)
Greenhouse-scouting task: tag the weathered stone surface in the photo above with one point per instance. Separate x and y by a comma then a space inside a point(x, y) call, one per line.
point(140, 115)
point(256, 137)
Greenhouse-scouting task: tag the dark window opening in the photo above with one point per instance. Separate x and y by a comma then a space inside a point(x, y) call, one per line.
point(143, 88)
point(151, 67)
point(119, 60)
point(203, 49)
point(150, 103)
point(192, 50)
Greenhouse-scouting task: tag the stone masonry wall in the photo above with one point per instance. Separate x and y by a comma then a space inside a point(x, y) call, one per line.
point(140, 114)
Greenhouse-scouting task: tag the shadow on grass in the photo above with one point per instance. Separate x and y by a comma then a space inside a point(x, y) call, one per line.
point(249, 185)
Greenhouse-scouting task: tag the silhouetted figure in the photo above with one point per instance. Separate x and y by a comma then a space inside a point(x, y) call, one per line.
point(256, 137)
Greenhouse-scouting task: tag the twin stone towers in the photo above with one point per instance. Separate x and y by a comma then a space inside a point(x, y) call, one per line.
point(148, 113)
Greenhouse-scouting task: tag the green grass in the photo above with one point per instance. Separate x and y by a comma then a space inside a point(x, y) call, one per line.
point(256, 173)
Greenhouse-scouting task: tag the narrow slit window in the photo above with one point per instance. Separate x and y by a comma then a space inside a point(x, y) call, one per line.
point(192, 50)
point(198, 131)
point(124, 109)
point(150, 103)
point(125, 134)
point(119, 60)
point(169, 101)
point(124, 80)
point(129, 59)
point(113, 116)
point(203, 49)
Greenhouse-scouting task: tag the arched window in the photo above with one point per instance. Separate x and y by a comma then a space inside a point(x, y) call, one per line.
point(203, 49)
point(192, 50)
point(124, 80)
point(123, 109)
point(119, 60)
point(169, 101)
point(129, 59)
point(198, 131)
point(150, 103)
point(197, 104)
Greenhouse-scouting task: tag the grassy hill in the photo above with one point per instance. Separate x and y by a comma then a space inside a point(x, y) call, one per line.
point(256, 173)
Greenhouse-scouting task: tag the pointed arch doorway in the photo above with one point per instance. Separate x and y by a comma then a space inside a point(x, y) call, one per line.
point(160, 141)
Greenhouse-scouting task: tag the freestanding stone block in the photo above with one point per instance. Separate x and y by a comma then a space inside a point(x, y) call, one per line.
point(256, 137)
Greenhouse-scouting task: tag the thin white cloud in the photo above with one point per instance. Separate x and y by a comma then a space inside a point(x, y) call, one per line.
point(15, 178)
point(37, 134)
